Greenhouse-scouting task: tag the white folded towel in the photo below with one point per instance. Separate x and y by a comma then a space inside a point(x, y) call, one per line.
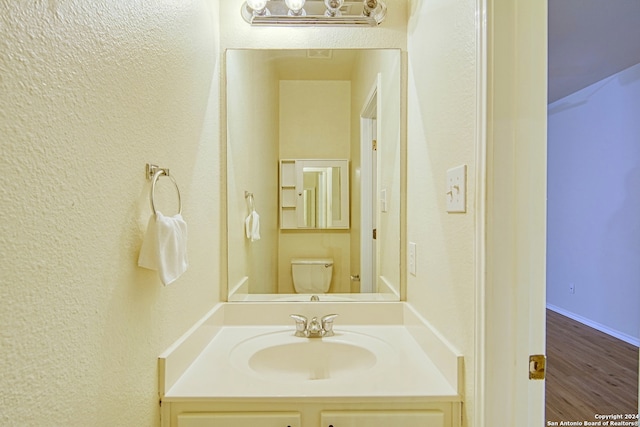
point(252, 226)
point(164, 247)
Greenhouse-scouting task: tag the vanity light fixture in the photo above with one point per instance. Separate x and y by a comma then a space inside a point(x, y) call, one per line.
point(314, 12)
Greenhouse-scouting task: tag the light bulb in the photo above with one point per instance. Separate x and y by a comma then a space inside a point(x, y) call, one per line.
point(370, 6)
point(257, 6)
point(333, 7)
point(295, 7)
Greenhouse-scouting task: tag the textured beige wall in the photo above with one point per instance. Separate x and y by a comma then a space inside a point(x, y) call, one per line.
point(442, 135)
point(90, 92)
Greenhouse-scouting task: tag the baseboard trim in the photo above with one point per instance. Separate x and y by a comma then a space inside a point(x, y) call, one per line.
point(595, 325)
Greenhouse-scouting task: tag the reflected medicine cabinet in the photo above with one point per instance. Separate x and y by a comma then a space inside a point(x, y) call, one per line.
point(314, 194)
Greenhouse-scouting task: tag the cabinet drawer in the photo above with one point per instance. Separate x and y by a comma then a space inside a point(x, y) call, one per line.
point(240, 419)
point(382, 418)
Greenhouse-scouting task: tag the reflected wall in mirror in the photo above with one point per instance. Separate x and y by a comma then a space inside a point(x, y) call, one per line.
point(314, 105)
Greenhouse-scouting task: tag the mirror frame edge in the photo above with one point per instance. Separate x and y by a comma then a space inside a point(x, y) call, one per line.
point(404, 72)
point(224, 211)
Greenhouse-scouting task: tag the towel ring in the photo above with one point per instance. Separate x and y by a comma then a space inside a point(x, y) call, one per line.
point(157, 175)
point(250, 200)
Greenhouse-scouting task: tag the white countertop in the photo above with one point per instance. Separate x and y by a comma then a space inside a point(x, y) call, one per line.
point(412, 373)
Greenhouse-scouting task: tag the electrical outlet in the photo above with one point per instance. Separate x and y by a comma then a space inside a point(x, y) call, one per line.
point(412, 258)
point(572, 288)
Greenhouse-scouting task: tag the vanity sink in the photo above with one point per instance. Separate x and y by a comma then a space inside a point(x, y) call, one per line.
point(281, 356)
point(312, 360)
point(249, 364)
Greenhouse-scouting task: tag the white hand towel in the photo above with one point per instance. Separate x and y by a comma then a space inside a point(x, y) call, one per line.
point(164, 247)
point(252, 226)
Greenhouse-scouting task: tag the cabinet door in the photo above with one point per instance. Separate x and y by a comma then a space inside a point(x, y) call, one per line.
point(237, 419)
point(382, 418)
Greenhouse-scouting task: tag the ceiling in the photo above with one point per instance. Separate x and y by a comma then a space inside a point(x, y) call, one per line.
point(590, 40)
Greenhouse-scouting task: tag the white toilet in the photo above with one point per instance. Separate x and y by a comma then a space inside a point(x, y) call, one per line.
point(311, 275)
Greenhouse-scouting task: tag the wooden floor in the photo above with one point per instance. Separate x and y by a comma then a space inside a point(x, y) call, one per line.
point(588, 372)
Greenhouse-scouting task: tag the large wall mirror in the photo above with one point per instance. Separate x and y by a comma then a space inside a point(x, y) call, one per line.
point(313, 107)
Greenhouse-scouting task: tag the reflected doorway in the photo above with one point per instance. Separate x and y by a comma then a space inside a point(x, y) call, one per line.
point(369, 173)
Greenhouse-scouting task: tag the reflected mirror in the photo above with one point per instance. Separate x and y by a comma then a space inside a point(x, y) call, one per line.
point(314, 194)
point(313, 174)
point(321, 197)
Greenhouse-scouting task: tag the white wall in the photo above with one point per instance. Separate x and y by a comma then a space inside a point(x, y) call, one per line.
point(441, 135)
point(91, 91)
point(594, 204)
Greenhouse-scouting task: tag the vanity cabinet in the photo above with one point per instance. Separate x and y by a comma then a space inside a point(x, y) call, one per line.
point(234, 419)
point(382, 419)
point(310, 413)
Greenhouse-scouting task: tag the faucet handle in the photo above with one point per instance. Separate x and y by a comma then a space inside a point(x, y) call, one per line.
point(327, 324)
point(301, 324)
point(314, 327)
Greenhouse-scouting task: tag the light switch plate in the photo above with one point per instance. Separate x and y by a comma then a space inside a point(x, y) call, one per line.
point(457, 189)
point(412, 258)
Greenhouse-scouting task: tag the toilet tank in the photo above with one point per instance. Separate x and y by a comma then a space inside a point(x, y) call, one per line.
point(311, 275)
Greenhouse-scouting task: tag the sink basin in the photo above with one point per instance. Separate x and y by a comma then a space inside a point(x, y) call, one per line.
point(284, 357)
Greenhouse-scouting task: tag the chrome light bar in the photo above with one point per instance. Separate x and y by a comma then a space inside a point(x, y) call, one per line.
point(352, 13)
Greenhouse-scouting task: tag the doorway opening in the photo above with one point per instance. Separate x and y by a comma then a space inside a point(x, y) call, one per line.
point(369, 184)
point(593, 230)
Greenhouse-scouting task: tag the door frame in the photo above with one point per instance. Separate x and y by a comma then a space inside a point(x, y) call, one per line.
point(368, 254)
point(511, 219)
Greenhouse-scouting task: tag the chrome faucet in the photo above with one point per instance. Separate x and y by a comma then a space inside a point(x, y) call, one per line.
point(314, 328)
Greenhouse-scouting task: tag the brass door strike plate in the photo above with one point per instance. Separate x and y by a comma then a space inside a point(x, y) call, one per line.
point(537, 364)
